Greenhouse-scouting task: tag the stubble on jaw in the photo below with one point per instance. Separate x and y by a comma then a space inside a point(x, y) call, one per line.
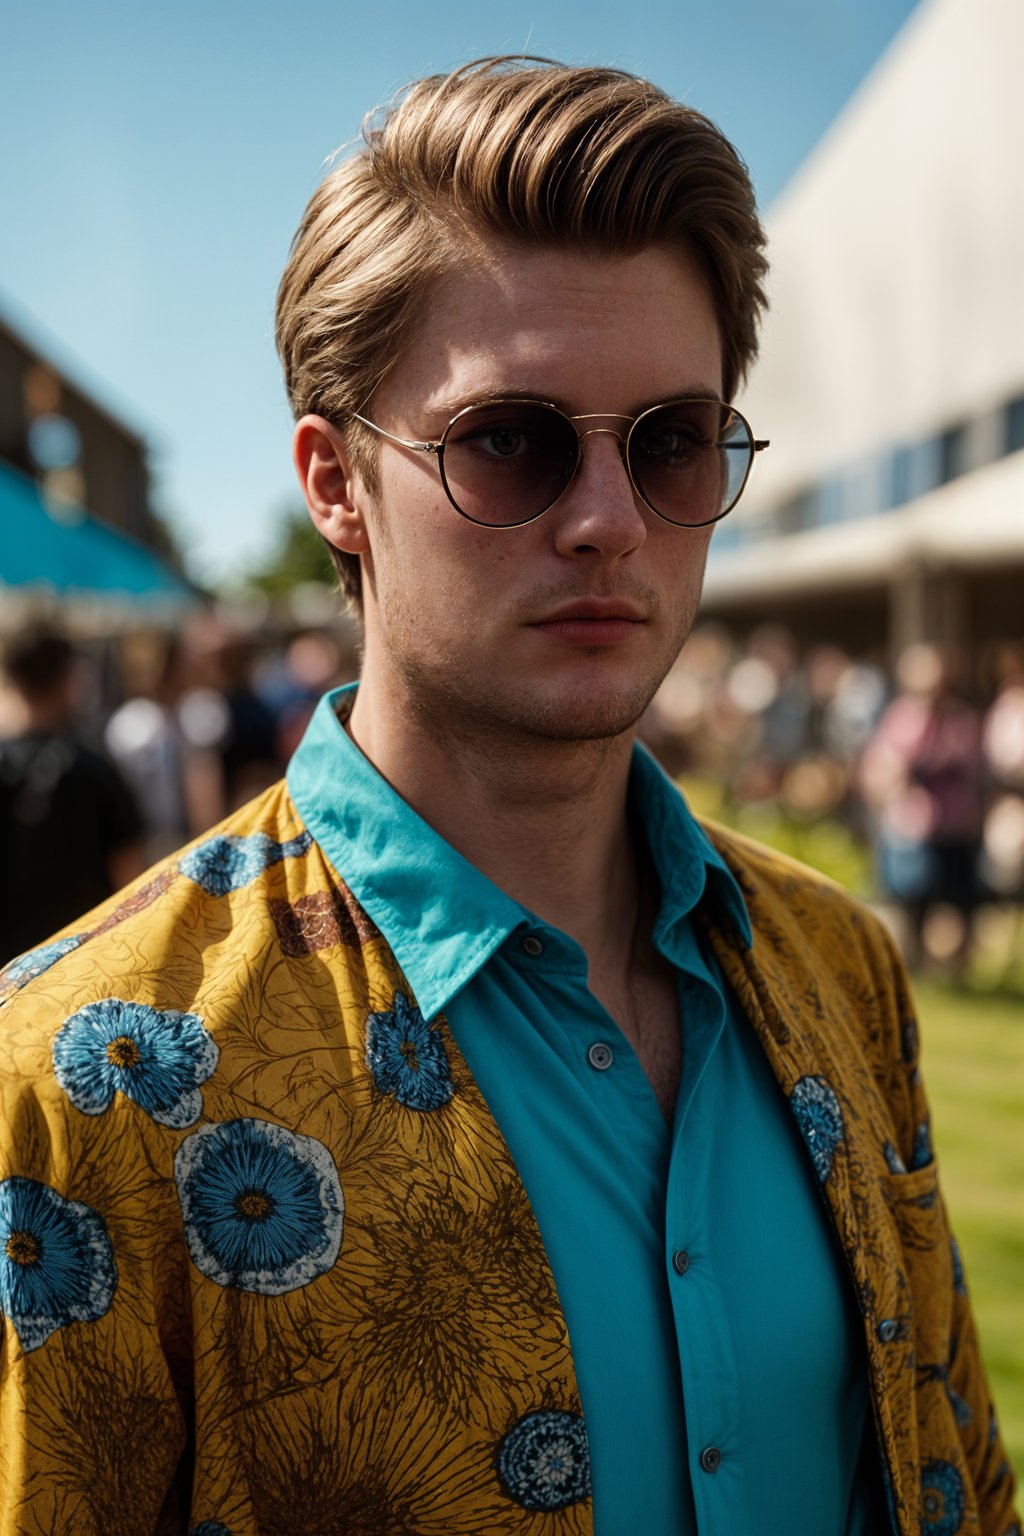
point(501, 732)
point(506, 729)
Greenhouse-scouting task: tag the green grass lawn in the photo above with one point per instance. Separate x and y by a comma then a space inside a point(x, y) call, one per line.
point(973, 1062)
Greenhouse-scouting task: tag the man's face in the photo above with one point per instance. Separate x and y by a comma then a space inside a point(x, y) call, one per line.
point(467, 625)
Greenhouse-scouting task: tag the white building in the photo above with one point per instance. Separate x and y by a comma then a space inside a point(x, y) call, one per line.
point(890, 505)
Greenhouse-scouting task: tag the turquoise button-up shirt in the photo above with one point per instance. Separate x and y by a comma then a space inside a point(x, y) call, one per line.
point(713, 1332)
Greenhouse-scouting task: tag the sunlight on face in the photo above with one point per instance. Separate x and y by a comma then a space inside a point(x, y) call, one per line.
point(484, 630)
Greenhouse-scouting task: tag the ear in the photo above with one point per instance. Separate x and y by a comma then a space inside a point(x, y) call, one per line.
point(333, 488)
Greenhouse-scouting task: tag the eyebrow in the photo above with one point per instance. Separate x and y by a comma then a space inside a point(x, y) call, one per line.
point(444, 410)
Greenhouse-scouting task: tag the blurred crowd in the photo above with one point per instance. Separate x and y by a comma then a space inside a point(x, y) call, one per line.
point(921, 763)
point(112, 757)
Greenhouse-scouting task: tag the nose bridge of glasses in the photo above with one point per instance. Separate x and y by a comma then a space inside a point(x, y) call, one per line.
point(620, 437)
point(620, 433)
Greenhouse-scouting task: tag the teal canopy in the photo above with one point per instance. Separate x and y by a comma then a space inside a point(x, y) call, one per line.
point(82, 557)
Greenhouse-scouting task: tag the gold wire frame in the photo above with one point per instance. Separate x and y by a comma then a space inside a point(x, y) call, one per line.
point(437, 447)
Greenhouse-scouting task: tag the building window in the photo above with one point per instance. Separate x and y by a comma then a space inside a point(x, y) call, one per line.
point(1015, 425)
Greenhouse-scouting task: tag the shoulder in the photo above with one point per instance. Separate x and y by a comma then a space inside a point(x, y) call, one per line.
point(826, 958)
point(192, 994)
point(777, 886)
point(149, 922)
point(209, 923)
point(807, 926)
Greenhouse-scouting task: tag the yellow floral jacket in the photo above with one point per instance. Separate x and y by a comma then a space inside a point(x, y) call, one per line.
point(266, 1265)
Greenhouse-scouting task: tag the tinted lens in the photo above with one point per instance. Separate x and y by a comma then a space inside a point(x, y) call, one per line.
point(506, 463)
point(690, 459)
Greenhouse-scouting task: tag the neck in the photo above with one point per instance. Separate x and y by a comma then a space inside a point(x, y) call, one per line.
point(544, 819)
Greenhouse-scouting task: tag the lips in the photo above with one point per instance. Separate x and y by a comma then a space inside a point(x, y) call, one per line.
point(594, 609)
point(591, 621)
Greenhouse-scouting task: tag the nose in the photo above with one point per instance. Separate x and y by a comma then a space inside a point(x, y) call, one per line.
point(598, 514)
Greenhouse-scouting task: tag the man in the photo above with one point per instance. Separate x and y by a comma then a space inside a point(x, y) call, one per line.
point(440, 1146)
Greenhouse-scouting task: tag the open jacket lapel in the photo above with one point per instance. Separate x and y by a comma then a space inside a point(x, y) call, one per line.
point(815, 996)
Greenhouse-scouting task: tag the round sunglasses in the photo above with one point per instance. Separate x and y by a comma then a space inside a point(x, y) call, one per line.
point(505, 462)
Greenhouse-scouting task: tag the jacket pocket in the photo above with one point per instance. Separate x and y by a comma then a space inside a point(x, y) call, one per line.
point(915, 1206)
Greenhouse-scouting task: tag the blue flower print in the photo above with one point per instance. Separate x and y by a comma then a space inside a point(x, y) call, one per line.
point(263, 1207)
point(959, 1279)
point(962, 1410)
point(28, 966)
point(407, 1058)
point(820, 1120)
point(922, 1153)
point(544, 1462)
point(226, 863)
point(156, 1059)
point(942, 1499)
point(209, 1528)
point(56, 1261)
point(894, 1162)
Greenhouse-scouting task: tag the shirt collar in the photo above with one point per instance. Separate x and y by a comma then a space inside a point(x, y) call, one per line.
point(442, 918)
point(688, 864)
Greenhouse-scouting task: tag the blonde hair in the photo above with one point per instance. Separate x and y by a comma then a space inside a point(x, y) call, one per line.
point(526, 150)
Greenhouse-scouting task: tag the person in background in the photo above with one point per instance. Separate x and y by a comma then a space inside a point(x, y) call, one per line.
point(922, 779)
point(295, 680)
point(222, 713)
point(70, 828)
point(1002, 863)
point(146, 742)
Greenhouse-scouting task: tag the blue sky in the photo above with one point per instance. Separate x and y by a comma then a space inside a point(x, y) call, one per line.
point(158, 157)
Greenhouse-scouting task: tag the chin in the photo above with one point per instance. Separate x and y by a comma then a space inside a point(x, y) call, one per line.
point(484, 705)
point(583, 714)
point(579, 722)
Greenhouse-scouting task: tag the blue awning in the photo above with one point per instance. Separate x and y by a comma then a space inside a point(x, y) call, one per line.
point(78, 557)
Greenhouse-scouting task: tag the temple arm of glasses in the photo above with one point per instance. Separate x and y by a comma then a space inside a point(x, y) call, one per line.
point(762, 443)
point(403, 442)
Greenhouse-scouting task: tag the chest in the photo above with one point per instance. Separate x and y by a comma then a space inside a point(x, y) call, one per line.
point(695, 1270)
point(645, 1005)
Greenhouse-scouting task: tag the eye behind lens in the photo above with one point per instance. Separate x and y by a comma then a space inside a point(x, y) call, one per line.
point(506, 462)
point(682, 460)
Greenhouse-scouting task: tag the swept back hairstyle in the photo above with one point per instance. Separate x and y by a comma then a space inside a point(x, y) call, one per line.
point(525, 150)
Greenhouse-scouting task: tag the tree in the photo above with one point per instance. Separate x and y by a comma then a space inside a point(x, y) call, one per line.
point(299, 555)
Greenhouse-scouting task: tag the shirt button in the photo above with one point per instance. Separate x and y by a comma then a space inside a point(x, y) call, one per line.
point(533, 946)
point(600, 1056)
point(680, 1261)
point(711, 1458)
